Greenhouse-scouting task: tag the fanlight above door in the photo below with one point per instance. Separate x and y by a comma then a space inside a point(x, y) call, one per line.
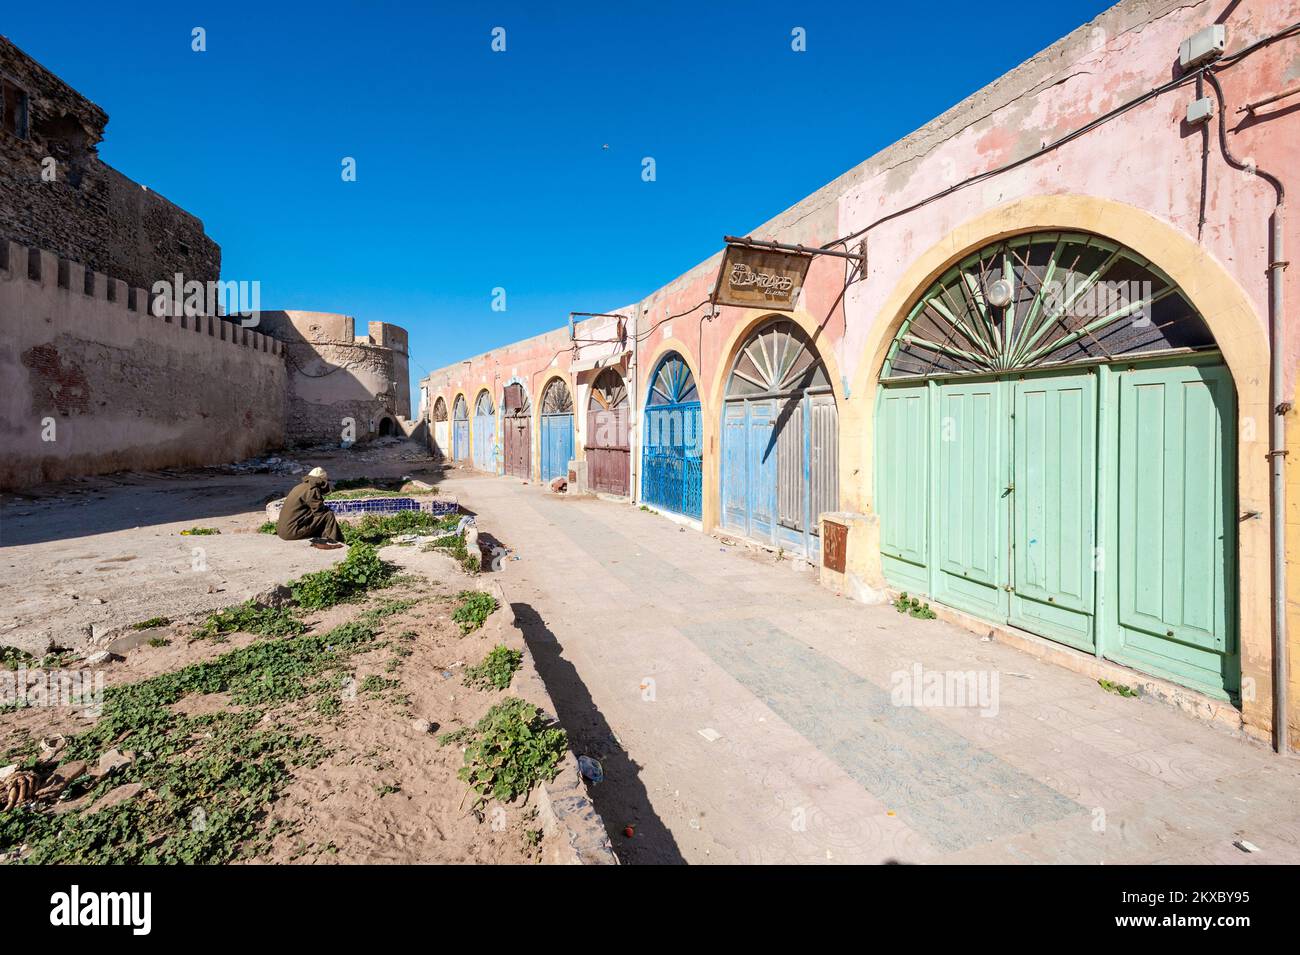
point(1044, 299)
point(778, 360)
point(609, 392)
point(556, 399)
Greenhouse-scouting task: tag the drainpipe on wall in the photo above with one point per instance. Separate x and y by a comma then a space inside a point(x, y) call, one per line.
point(1277, 463)
point(1278, 408)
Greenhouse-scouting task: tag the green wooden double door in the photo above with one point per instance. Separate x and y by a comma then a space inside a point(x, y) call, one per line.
point(1095, 507)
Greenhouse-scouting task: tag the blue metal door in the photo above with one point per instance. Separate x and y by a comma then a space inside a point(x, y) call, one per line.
point(780, 447)
point(671, 471)
point(485, 433)
point(460, 431)
point(557, 430)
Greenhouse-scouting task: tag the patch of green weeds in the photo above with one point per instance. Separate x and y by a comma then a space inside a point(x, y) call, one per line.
point(151, 623)
point(376, 684)
point(1120, 689)
point(11, 658)
point(497, 669)
point(360, 571)
point(914, 606)
point(200, 532)
point(267, 527)
point(454, 544)
point(252, 617)
point(510, 750)
point(159, 642)
point(473, 610)
point(380, 529)
point(210, 778)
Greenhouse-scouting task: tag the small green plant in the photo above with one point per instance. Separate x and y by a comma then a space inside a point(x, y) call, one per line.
point(360, 571)
point(473, 610)
point(151, 623)
point(200, 532)
point(267, 527)
point(914, 607)
point(497, 669)
point(455, 545)
point(387, 789)
point(510, 750)
point(377, 684)
point(1110, 686)
point(379, 529)
point(159, 642)
point(11, 658)
point(252, 617)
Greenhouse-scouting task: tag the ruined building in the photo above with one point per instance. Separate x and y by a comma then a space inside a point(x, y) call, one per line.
point(100, 373)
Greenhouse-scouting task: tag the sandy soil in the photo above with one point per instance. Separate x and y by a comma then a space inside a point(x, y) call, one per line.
point(387, 791)
point(84, 559)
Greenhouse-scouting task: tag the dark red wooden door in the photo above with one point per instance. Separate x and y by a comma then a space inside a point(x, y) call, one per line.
point(518, 447)
point(608, 443)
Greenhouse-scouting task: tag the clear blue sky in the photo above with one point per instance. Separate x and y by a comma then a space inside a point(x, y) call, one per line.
point(478, 169)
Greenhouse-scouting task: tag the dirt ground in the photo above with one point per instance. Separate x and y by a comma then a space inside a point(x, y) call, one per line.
point(89, 557)
point(383, 788)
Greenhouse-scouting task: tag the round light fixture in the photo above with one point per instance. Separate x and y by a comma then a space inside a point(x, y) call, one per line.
point(999, 293)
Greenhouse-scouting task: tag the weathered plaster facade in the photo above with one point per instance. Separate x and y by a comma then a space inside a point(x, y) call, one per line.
point(95, 382)
point(56, 193)
point(1010, 160)
point(337, 376)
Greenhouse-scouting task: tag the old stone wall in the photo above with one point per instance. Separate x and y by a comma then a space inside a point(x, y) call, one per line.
point(94, 382)
point(56, 193)
point(341, 383)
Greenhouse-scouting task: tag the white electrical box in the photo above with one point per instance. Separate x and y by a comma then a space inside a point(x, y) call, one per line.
point(1201, 111)
point(1201, 47)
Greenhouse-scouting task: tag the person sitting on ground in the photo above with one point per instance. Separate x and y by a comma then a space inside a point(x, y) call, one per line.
point(305, 514)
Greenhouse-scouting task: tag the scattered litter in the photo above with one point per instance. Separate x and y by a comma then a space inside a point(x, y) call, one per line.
point(1245, 846)
point(266, 465)
point(629, 831)
point(695, 823)
point(591, 769)
point(102, 657)
point(710, 734)
point(987, 638)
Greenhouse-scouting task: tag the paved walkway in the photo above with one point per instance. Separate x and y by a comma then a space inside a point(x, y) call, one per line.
point(743, 714)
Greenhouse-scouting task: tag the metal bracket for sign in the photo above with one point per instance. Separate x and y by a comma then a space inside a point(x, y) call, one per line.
point(786, 247)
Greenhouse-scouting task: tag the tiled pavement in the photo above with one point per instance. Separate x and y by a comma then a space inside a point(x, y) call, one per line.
point(649, 633)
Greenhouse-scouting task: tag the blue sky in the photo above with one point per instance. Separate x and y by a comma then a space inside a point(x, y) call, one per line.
point(478, 170)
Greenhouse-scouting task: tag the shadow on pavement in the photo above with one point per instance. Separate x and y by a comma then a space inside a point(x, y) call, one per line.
point(621, 799)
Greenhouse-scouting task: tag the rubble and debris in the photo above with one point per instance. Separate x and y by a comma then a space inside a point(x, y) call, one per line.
point(266, 465)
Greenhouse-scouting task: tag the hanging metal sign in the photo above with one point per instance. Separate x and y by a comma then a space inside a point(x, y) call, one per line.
point(753, 277)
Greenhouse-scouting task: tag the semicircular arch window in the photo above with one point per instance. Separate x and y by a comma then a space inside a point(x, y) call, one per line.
point(1042, 299)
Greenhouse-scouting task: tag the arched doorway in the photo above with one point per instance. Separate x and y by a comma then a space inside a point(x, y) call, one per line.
point(557, 430)
point(517, 431)
point(608, 446)
point(780, 440)
point(485, 433)
point(672, 446)
point(440, 445)
point(1056, 450)
point(387, 427)
point(460, 433)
